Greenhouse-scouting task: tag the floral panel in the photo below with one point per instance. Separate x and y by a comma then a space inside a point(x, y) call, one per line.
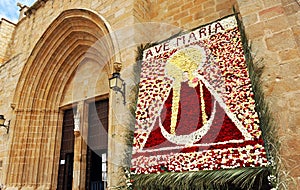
point(196, 107)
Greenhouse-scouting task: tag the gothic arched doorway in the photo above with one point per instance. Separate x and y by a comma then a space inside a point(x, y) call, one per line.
point(71, 39)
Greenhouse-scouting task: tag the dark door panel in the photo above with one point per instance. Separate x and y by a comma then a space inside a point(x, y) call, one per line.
point(65, 171)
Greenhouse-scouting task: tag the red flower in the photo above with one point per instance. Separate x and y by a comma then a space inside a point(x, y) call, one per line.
point(195, 80)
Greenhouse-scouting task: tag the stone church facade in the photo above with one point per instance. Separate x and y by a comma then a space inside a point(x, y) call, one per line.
point(55, 65)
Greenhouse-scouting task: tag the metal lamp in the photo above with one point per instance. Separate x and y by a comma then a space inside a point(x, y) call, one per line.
point(117, 84)
point(2, 121)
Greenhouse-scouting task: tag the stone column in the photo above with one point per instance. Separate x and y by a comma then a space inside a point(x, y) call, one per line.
point(79, 147)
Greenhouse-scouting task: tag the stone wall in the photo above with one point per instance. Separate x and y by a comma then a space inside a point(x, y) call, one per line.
point(190, 14)
point(6, 32)
point(272, 27)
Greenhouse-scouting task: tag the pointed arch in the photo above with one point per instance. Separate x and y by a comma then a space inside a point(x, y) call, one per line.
point(75, 35)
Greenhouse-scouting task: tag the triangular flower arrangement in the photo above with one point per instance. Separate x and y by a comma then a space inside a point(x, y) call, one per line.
point(200, 123)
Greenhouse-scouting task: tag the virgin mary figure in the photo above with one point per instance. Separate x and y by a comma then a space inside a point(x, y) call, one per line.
point(193, 113)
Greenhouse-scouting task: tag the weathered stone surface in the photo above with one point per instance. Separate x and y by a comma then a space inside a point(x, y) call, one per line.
point(6, 32)
point(281, 41)
point(250, 7)
point(271, 12)
point(289, 54)
point(272, 24)
point(250, 19)
point(255, 30)
point(291, 8)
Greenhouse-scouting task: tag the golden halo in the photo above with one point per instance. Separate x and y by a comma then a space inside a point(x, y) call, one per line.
point(189, 60)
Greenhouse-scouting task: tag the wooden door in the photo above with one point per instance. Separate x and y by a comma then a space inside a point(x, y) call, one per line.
point(65, 172)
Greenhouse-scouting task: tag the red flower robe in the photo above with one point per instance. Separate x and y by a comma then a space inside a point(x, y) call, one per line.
point(189, 119)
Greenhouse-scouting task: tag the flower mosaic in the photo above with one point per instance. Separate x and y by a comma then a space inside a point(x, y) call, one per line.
point(196, 108)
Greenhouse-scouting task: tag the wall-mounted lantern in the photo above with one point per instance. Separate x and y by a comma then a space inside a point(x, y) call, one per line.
point(2, 123)
point(116, 83)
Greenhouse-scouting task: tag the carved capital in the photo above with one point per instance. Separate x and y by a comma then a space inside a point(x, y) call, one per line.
point(76, 133)
point(117, 66)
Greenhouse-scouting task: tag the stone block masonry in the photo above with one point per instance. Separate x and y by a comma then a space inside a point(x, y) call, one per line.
point(6, 32)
